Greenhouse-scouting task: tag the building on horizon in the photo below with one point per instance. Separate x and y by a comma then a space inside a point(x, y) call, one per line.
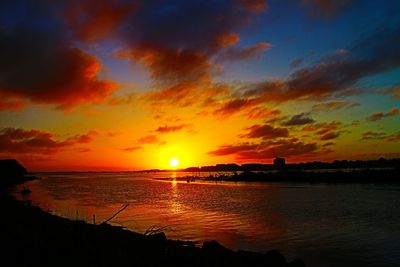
point(279, 162)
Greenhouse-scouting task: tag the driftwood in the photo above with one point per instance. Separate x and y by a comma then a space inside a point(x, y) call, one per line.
point(156, 229)
point(115, 214)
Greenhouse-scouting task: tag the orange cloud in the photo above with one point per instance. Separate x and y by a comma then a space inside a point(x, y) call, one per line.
point(182, 94)
point(376, 116)
point(228, 39)
point(12, 104)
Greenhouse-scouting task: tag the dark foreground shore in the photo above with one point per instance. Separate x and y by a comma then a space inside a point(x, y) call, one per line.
point(32, 237)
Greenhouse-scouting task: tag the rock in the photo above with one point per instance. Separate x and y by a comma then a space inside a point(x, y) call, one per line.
point(297, 263)
point(213, 247)
point(11, 172)
point(11, 167)
point(275, 258)
point(158, 237)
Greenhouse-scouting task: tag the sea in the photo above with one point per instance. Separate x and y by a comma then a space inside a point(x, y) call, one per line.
point(326, 225)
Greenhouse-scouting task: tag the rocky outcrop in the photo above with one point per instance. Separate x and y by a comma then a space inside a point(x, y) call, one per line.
point(11, 172)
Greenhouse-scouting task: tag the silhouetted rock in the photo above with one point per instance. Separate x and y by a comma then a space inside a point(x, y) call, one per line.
point(215, 248)
point(11, 172)
point(275, 258)
point(297, 263)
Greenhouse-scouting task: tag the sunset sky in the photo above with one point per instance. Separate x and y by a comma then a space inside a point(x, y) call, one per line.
point(130, 85)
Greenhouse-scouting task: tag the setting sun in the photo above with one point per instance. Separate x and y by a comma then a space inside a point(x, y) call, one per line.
point(174, 162)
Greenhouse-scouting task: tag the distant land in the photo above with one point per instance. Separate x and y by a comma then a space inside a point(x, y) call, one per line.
point(280, 164)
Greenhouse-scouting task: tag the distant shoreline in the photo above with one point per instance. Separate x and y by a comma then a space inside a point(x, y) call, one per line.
point(314, 165)
point(359, 176)
point(231, 167)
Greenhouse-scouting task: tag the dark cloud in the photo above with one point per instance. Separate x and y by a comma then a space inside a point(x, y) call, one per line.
point(337, 74)
point(394, 137)
point(265, 131)
point(330, 136)
point(327, 8)
point(21, 141)
point(299, 119)
point(170, 128)
point(333, 105)
point(266, 150)
point(325, 131)
point(263, 113)
point(177, 40)
point(371, 135)
point(149, 139)
point(39, 63)
point(296, 63)
point(233, 149)
point(235, 53)
point(254, 5)
point(376, 116)
point(91, 20)
point(84, 138)
point(393, 91)
point(328, 144)
point(131, 149)
point(234, 106)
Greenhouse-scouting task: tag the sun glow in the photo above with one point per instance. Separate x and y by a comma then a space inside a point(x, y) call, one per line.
point(173, 162)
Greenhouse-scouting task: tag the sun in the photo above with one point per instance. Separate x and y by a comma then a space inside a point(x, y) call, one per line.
point(173, 162)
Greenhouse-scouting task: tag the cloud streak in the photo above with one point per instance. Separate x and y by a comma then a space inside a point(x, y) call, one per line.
point(335, 75)
point(334, 105)
point(377, 116)
point(21, 141)
point(266, 150)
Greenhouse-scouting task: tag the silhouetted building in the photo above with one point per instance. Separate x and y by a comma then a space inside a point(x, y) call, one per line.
point(279, 162)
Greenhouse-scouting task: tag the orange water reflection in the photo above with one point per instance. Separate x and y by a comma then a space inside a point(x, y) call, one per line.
point(187, 222)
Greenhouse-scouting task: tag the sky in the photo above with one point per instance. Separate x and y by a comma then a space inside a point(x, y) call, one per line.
point(130, 85)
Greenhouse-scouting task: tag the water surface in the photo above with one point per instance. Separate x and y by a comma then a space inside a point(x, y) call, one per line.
point(324, 224)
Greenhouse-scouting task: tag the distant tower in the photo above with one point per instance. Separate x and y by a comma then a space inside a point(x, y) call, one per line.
point(279, 162)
